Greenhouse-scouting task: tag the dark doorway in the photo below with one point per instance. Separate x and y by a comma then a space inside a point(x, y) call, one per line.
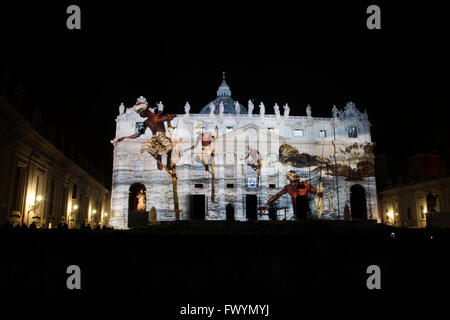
point(230, 212)
point(358, 202)
point(250, 207)
point(272, 213)
point(197, 207)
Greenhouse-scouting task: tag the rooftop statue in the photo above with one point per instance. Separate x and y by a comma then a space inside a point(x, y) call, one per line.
point(308, 111)
point(364, 116)
point(276, 108)
point(250, 107)
point(262, 109)
point(286, 110)
point(121, 108)
point(141, 104)
point(211, 108)
point(335, 112)
point(160, 106)
point(221, 108)
point(187, 108)
point(237, 107)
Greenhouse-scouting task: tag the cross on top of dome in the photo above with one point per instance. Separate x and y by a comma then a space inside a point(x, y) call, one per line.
point(224, 89)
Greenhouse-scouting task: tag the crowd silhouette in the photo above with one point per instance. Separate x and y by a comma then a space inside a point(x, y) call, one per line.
point(61, 226)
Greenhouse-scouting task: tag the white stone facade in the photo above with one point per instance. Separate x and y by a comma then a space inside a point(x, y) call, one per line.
point(320, 138)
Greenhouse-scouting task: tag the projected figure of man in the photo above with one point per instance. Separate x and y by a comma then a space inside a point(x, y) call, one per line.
point(299, 195)
point(159, 143)
point(255, 160)
point(206, 157)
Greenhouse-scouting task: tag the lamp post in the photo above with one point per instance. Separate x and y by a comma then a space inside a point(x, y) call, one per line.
point(34, 206)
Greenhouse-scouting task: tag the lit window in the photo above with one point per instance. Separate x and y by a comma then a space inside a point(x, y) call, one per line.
point(138, 167)
point(323, 133)
point(199, 168)
point(251, 182)
point(352, 132)
point(140, 128)
point(229, 129)
point(230, 171)
point(298, 132)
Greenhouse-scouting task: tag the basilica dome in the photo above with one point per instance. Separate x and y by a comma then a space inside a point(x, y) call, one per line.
point(224, 96)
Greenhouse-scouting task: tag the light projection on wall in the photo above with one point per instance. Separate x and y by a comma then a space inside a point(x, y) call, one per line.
point(241, 160)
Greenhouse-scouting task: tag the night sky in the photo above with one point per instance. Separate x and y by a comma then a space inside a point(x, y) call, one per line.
point(175, 52)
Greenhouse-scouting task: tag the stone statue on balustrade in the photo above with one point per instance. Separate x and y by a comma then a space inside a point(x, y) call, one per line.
point(276, 108)
point(160, 106)
point(308, 111)
point(187, 108)
point(262, 110)
point(211, 109)
point(250, 107)
point(286, 110)
point(335, 112)
point(237, 107)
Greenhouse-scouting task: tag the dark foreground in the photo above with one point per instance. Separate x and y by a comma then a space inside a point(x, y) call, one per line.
point(283, 264)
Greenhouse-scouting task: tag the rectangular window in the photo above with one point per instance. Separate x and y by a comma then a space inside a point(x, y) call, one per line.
point(199, 168)
point(199, 185)
point(230, 171)
point(140, 128)
point(251, 182)
point(229, 129)
point(408, 212)
point(37, 186)
point(323, 133)
point(74, 191)
point(230, 185)
point(272, 185)
point(50, 200)
point(17, 200)
point(298, 132)
point(352, 132)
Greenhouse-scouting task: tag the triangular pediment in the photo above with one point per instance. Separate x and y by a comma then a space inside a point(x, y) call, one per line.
point(241, 132)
